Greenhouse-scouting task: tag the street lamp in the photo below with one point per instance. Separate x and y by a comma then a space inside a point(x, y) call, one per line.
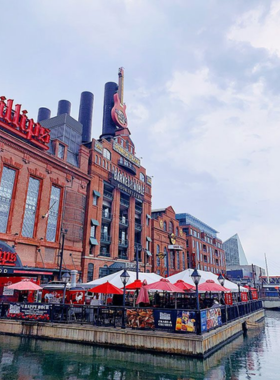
point(221, 279)
point(65, 278)
point(124, 277)
point(238, 284)
point(138, 247)
point(63, 233)
point(196, 278)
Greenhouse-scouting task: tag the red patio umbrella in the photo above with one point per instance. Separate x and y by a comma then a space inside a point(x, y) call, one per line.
point(24, 284)
point(211, 286)
point(143, 295)
point(184, 285)
point(137, 284)
point(165, 285)
point(106, 288)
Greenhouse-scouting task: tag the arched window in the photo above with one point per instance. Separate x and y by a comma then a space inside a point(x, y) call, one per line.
point(99, 160)
point(103, 163)
point(171, 227)
point(165, 257)
point(158, 259)
point(96, 159)
point(90, 272)
point(164, 226)
point(177, 231)
point(107, 154)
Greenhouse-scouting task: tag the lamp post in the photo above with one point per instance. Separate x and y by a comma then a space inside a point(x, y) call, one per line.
point(124, 277)
point(221, 280)
point(238, 284)
point(63, 233)
point(196, 278)
point(65, 278)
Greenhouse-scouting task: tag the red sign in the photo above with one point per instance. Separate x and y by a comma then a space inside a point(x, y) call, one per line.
point(254, 294)
point(7, 258)
point(228, 298)
point(244, 297)
point(17, 122)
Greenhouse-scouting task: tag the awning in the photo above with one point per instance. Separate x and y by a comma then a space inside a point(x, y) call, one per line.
point(94, 222)
point(148, 253)
point(149, 216)
point(148, 238)
point(93, 241)
point(95, 192)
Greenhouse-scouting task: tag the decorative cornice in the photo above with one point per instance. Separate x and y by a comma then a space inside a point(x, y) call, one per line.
point(36, 173)
point(57, 181)
point(11, 162)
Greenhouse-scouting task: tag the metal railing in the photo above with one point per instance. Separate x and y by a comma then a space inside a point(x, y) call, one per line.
point(107, 195)
point(105, 238)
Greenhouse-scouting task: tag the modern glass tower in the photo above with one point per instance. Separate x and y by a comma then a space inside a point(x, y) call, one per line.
point(234, 252)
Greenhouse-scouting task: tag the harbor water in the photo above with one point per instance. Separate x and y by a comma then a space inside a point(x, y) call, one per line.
point(253, 356)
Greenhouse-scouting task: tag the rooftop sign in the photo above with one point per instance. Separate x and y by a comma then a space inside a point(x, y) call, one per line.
point(17, 122)
point(123, 152)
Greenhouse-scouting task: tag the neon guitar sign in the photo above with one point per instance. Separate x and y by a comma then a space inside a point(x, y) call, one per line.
point(118, 111)
point(17, 122)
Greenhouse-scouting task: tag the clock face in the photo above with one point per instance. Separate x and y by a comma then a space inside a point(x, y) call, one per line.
point(121, 117)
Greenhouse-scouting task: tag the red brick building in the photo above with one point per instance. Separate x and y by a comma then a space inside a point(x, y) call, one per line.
point(204, 249)
point(168, 243)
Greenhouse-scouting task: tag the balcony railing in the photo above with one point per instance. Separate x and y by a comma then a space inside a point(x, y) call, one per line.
point(106, 215)
point(138, 209)
point(127, 165)
point(138, 227)
point(123, 243)
point(122, 256)
point(104, 253)
point(123, 222)
point(124, 202)
point(107, 194)
point(105, 238)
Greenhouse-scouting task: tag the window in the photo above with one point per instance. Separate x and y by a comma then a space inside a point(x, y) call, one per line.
point(187, 242)
point(198, 235)
point(183, 259)
point(165, 257)
point(204, 248)
point(90, 272)
point(178, 260)
point(61, 150)
point(103, 163)
point(6, 192)
point(107, 154)
point(193, 243)
point(164, 226)
point(30, 207)
point(95, 199)
point(53, 214)
point(205, 258)
point(92, 231)
point(170, 227)
point(158, 259)
point(177, 231)
point(142, 177)
point(172, 259)
point(96, 159)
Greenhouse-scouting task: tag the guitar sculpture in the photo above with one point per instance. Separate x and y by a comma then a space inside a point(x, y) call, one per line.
point(118, 111)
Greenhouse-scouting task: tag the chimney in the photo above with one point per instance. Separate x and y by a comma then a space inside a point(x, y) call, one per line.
point(74, 278)
point(64, 106)
point(43, 114)
point(108, 127)
point(85, 115)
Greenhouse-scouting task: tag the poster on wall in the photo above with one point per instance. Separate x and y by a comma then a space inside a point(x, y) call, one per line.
point(140, 318)
point(35, 311)
point(185, 322)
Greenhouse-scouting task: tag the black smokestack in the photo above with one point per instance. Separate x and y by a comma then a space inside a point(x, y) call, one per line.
point(64, 106)
point(43, 114)
point(85, 115)
point(108, 127)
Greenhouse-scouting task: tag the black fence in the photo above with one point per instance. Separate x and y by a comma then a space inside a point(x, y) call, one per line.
point(169, 320)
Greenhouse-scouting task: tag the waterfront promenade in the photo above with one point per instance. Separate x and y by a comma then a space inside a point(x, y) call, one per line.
point(192, 344)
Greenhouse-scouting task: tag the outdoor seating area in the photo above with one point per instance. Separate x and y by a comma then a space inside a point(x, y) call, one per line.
point(191, 301)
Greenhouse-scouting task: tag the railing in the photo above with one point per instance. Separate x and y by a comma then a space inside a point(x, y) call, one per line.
point(124, 222)
point(138, 209)
point(108, 195)
point(123, 243)
point(124, 202)
point(106, 215)
point(138, 227)
point(106, 239)
point(101, 315)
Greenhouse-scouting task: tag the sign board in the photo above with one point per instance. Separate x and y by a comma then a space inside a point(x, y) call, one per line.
point(175, 247)
point(210, 318)
point(126, 154)
point(127, 184)
point(186, 322)
point(32, 311)
point(16, 121)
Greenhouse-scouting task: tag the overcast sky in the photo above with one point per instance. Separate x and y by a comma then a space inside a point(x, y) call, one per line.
point(202, 88)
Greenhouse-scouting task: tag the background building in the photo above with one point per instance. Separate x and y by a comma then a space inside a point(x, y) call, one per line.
point(168, 243)
point(234, 252)
point(204, 249)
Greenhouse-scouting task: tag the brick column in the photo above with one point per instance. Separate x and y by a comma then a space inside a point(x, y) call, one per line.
point(114, 247)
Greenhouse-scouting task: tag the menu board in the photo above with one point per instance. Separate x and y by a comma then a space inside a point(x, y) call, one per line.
point(165, 319)
point(186, 321)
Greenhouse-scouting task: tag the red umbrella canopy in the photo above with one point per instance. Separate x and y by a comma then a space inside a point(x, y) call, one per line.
point(165, 285)
point(106, 288)
point(211, 286)
point(24, 285)
point(248, 287)
point(137, 284)
point(143, 295)
point(184, 285)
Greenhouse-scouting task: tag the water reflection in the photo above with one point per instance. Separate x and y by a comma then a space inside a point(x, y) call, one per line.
point(252, 357)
